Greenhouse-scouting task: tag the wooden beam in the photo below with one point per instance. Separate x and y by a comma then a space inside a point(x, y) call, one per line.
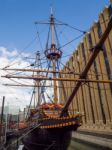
point(41, 70)
point(26, 85)
point(59, 79)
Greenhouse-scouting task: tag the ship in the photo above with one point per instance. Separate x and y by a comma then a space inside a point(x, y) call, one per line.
point(50, 126)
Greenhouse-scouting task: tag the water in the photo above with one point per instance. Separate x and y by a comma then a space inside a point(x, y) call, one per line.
point(20, 147)
point(78, 145)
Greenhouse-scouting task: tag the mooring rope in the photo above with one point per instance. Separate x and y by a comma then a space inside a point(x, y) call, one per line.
point(20, 138)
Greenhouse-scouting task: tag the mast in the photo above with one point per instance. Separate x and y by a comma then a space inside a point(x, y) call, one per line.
point(53, 54)
point(37, 82)
point(53, 60)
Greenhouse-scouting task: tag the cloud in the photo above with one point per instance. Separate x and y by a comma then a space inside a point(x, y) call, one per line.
point(15, 97)
point(5, 53)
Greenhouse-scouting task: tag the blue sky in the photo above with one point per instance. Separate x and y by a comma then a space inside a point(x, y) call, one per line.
point(17, 18)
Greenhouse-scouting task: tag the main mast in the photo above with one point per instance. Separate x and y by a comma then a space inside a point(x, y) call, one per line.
point(53, 60)
point(53, 54)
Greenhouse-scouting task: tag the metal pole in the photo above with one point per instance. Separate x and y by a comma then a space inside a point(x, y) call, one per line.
point(2, 111)
point(18, 129)
point(1, 120)
point(6, 128)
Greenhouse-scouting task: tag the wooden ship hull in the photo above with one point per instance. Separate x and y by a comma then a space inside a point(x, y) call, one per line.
point(52, 139)
point(52, 133)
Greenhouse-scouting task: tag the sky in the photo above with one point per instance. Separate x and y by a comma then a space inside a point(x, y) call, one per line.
point(17, 17)
point(18, 33)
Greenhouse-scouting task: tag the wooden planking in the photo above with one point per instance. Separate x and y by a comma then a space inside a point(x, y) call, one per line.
point(81, 64)
point(99, 69)
point(79, 95)
point(73, 104)
point(91, 90)
point(95, 100)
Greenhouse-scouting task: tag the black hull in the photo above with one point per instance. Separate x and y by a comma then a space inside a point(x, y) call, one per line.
point(49, 139)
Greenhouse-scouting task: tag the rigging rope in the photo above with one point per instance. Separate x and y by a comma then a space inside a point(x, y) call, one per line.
point(47, 39)
point(58, 44)
point(76, 38)
point(63, 87)
point(46, 76)
point(71, 27)
point(30, 102)
point(21, 137)
point(20, 53)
